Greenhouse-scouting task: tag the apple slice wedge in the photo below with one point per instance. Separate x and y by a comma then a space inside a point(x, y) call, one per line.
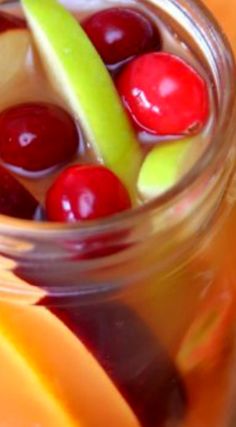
point(14, 48)
point(76, 70)
point(166, 164)
point(208, 335)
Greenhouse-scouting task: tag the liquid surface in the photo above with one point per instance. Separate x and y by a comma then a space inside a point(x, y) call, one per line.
point(32, 86)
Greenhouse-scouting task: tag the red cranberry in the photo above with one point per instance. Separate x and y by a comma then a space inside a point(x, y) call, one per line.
point(164, 94)
point(10, 22)
point(15, 200)
point(121, 33)
point(84, 192)
point(37, 136)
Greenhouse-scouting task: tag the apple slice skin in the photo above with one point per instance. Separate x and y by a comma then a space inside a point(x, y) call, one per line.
point(77, 71)
point(160, 169)
point(10, 22)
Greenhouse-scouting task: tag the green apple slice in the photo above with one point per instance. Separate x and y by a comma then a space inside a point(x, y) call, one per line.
point(165, 165)
point(78, 73)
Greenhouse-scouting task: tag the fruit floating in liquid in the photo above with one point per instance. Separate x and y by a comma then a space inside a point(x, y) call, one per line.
point(73, 136)
point(106, 133)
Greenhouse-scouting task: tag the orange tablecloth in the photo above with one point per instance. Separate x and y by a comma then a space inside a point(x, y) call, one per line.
point(224, 10)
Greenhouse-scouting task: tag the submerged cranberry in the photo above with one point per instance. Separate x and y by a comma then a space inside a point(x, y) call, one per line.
point(132, 357)
point(37, 136)
point(163, 94)
point(10, 22)
point(121, 33)
point(84, 192)
point(15, 200)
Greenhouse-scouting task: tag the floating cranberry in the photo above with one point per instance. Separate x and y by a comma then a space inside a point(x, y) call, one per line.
point(164, 94)
point(10, 22)
point(15, 200)
point(121, 33)
point(37, 136)
point(84, 192)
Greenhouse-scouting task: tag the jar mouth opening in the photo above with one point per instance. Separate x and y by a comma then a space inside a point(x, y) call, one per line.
point(215, 47)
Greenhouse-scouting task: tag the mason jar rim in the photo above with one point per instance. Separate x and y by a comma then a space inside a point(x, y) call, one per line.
point(192, 14)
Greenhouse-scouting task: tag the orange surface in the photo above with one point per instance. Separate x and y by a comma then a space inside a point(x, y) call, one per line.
point(224, 11)
point(49, 379)
point(24, 399)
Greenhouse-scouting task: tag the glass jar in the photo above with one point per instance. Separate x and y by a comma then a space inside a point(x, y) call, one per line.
point(131, 321)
